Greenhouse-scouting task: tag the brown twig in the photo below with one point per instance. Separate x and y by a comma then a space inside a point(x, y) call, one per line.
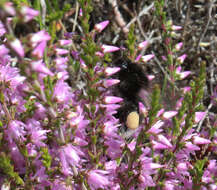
point(209, 5)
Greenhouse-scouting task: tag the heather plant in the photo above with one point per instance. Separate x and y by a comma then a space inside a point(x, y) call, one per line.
point(57, 123)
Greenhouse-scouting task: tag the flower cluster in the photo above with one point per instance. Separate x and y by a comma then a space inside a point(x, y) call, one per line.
point(57, 124)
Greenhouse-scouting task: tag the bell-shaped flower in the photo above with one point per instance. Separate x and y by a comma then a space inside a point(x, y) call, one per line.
point(146, 58)
point(143, 45)
point(109, 49)
point(111, 70)
point(112, 99)
point(17, 47)
point(98, 179)
point(39, 66)
point(28, 13)
point(101, 26)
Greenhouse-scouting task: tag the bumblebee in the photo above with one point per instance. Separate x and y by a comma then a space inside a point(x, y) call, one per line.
point(132, 80)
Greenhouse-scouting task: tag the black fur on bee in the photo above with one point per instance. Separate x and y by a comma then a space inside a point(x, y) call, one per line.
point(132, 80)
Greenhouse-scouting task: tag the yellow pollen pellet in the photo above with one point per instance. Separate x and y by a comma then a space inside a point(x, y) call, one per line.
point(132, 121)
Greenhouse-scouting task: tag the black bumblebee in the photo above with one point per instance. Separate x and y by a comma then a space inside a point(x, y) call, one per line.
point(132, 80)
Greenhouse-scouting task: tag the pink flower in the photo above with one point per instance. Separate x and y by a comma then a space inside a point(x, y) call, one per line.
point(184, 74)
point(2, 29)
point(80, 12)
point(10, 75)
point(162, 139)
point(99, 54)
point(17, 47)
point(110, 82)
point(112, 99)
point(199, 140)
point(169, 114)
point(28, 13)
point(150, 77)
point(16, 131)
point(9, 9)
point(138, 58)
point(186, 89)
point(69, 156)
point(155, 129)
point(146, 58)
point(65, 42)
point(39, 37)
point(199, 116)
point(101, 26)
point(143, 45)
point(182, 58)
point(160, 112)
point(179, 46)
point(109, 49)
point(111, 70)
point(98, 179)
point(174, 27)
point(60, 51)
point(39, 66)
point(62, 92)
point(39, 50)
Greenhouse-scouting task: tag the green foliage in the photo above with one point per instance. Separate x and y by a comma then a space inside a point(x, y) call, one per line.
point(197, 173)
point(19, 3)
point(86, 10)
point(190, 103)
point(130, 42)
point(8, 169)
point(155, 106)
point(46, 158)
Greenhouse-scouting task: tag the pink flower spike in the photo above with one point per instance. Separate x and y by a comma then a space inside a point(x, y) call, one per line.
point(110, 82)
point(182, 58)
point(17, 47)
point(39, 66)
point(109, 49)
point(174, 27)
point(199, 140)
point(101, 26)
point(28, 13)
point(112, 99)
point(143, 45)
point(179, 46)
point(199, 116)
point(146, 58)
point(169, 114)
point(111, 70)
